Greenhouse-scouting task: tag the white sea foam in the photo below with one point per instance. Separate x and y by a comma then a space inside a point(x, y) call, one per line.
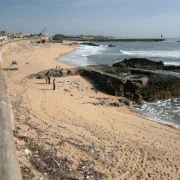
point(170, 54)
point(79, 57)
point(164, 112)
point(175, 63)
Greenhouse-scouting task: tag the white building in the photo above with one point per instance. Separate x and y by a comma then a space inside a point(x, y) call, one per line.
point(3, 38)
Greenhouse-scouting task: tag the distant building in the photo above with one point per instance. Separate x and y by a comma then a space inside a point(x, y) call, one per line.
point(3, 33)
point(27, 35)
point(3, 38)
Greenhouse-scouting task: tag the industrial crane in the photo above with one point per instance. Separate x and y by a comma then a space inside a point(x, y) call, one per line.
point(43, 37)
point(42, 33)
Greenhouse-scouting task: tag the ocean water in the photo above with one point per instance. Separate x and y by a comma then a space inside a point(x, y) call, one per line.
point(168, 51)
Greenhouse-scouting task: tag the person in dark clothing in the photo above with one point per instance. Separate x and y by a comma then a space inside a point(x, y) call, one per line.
point(46, 80)
point(54, 84)
point(49, 80)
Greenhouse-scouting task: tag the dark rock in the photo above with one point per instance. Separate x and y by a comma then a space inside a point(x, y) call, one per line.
point(57, 73)
point(161, 86)
point(126, 102)
point(111, 45)
point(115, 104)
point(135, 84)
point(140, 63)
point(172, 68)
point(111, 70)
point(89, 44)
point(137, 97)
point(140, 85)
point(128, 95)
point(109, 104)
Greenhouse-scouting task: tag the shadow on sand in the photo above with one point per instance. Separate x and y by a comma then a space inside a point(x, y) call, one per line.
point(46, 89)
point(41, 83)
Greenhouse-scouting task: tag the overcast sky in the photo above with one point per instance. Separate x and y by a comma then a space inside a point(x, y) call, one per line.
point(120, 18)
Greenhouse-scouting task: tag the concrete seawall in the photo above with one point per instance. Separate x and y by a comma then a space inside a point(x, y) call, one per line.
point(9, 166)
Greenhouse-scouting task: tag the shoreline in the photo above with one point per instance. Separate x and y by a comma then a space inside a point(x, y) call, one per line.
point(58, 58)
point(148, 119)
point(65, 124)
point(169, 124)
point(67, 53)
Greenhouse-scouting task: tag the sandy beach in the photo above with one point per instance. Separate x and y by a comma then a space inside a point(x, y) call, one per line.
point(62, 133)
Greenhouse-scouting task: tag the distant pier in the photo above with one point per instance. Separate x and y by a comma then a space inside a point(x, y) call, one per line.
point(116, 40)
point(125, 40)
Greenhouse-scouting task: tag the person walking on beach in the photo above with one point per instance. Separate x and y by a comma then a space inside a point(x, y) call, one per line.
point(54, 84)
point(49, 80)
point(46, 79)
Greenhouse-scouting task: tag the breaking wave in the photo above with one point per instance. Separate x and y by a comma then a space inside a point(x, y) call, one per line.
point(165, 111)
point(79, 57)
point(170, 54)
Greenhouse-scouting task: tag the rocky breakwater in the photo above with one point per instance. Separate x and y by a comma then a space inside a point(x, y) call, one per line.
point(140, 63)
point(89, 44)
point(129, 78)
point(143, 63)
point(162, 82)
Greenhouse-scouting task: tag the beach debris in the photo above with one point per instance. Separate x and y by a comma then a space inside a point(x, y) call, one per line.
point(26, 172)
point(115, 104)
point(56, 162)
point(41, 178)
point(72, 95)
point(88, 171)
point(28, 152)
point(66, 90)
point(126, 102)
point(109, 104)
point(68, 81)
point(91, 147)
point(53, 167)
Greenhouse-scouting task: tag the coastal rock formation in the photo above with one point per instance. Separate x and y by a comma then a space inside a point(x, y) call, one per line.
point(140, 63)
point(172, 68)
point(111, 45)
point(89, 44)
point(135, 84)
point(56, 73)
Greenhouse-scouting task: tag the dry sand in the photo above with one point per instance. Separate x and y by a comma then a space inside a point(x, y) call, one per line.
point(54, 128)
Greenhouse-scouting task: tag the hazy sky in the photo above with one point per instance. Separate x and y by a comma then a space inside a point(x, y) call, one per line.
point(120, 18)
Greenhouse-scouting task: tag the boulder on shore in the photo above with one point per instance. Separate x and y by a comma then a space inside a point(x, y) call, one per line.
point(111, 45)
point(89, 44)
point(140, 63)
point(172, 68)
